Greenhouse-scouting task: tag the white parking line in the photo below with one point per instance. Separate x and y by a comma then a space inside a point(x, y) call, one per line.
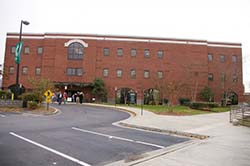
point(3, 116)
point(51, 150)
point(118, 138)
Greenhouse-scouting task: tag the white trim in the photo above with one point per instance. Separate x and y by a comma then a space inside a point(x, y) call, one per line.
point(75, 40)
point(129, 39)
point(51, 150)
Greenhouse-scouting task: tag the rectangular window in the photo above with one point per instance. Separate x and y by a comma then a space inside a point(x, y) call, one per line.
point(13, 49)
point(234, 58)
point(26, 50)
point(105, 72)
point(210, 57)
point(160, 53)
point(106, 51)
point(146, 53)
point(74, 71)
point(119, 73)
point(160, 74)
point(11, 70)
point(133, 52)
point(119, 51)
point(222, 58)
point(38, 71)
point(39, 50)
point(146, 74)
point(223, 77)
point(235, 78)
point(210, 77)
point(132, 73)
point(25, 70)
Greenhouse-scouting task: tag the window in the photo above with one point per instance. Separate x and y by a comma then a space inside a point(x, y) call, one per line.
point(210, 57)
point(132, 73)
point(146, 53)
point(160, 53)
point(222, 58)
point(26, 50)
point(234, 58)
point(146, 74)
point(11, 70)
point(105, 72)
point(39, 50)
point(119, 73)
point(223, 77)
point(13, 49)
point(210, 77)
point(74, 71)
point(160, 74)
point(119, 51)
point(75, 51)
point(25, 70)
point(235, 78)
point(133, 52)
point(106, 51)
point(38, 71)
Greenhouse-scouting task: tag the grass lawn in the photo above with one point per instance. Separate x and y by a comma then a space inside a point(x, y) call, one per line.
point(178, 110)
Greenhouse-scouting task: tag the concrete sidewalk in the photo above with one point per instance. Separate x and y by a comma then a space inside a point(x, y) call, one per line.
point(228, 145)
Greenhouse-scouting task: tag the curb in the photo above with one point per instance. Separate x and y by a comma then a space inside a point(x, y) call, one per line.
point(172, 132)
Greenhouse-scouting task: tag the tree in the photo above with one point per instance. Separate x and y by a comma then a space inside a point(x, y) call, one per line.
point(99, 90)
point(207, 94)
point(40, 86)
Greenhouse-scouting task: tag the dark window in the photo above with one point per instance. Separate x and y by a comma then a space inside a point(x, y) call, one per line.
point(25, 70)
point(133, 52)
point(75, 51)
point(222, 58)
point(38, 71)
point(235, 78)
point(146, 53)
point(13, 49)
point(160, 74)
point(11, 70)
point(106, 51)
point(119, 51)
point(160, 53)
point(210, 77)
point(234, 58)
point(39, 50)
point(146, 74)
point(132, 73)
point(119, 73)
point(26, 50)
point(74, 71)
point(210, 57)
point(105, 72)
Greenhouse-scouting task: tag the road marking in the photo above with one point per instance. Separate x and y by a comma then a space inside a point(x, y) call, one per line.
point(51, 150)
point(118, 138)
point(3, 116)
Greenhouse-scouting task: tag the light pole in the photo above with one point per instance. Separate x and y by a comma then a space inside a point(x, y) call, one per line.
point(17, 89)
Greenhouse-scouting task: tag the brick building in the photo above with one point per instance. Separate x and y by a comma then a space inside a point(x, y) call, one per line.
point(73, 61)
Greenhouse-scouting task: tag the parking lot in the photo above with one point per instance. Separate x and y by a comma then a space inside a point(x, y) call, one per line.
point(77, 135)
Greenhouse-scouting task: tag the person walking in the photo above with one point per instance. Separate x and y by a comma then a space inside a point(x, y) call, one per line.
point(59, 98)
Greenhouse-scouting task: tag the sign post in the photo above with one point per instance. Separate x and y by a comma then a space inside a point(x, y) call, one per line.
point(48, 95)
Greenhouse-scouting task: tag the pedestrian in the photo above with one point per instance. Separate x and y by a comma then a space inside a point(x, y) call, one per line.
point(65, 96)
point(59, 98)
point(81, 97)
point(77, 97)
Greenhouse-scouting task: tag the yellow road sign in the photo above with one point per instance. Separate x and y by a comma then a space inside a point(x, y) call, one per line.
point(48, 100)
point(48, 93)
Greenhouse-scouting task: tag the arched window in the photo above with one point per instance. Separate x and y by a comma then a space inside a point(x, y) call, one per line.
point(75, 51)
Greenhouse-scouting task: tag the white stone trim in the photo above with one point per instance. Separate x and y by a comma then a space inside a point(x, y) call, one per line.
point(77, 41)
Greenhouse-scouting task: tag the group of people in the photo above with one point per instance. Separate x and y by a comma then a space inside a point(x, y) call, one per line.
point(63, 97)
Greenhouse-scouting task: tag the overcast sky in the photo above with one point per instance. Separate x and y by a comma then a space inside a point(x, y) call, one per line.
point(213, 20)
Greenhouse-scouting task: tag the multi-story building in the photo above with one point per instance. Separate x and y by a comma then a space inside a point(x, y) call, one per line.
point(73, 61)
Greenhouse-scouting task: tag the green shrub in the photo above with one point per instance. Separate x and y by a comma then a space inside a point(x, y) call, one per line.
point(32, 105)
point(203, 105)
point(5, 94)
point(184, 101)
point(29, 97)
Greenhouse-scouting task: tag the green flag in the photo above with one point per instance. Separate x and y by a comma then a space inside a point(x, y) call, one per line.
point(18, 52)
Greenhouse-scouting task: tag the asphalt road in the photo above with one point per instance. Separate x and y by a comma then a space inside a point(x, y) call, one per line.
point(78, 135)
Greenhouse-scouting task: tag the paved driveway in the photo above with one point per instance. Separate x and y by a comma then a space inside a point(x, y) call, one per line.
point(78, 135)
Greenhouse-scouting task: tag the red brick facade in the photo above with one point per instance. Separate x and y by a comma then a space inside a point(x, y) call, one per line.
point(182, 61)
